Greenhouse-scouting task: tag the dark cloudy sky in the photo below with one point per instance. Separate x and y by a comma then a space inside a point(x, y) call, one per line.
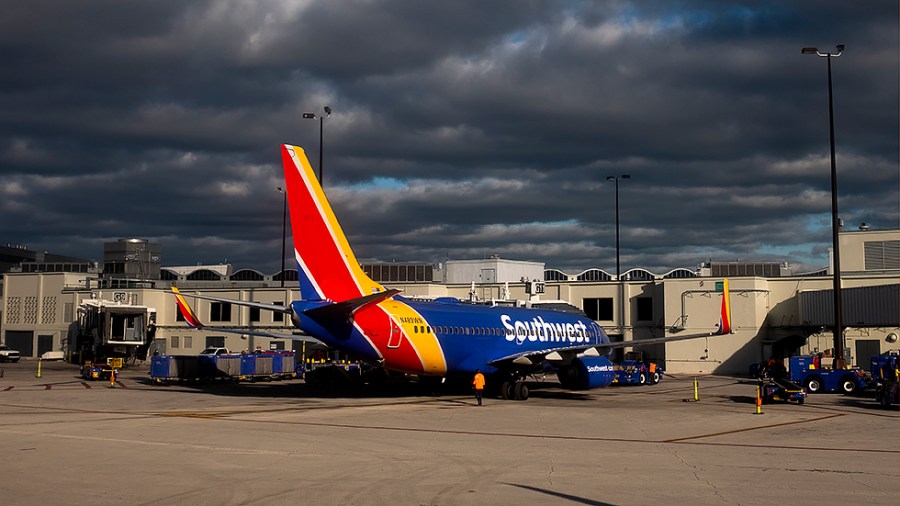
point(460, 129)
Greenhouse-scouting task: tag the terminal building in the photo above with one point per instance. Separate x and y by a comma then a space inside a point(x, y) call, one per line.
point(775, 312)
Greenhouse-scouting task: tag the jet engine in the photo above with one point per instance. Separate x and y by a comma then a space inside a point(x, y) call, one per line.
point(586, 372)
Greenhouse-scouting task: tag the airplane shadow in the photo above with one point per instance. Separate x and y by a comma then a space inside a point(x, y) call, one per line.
point(568, 497)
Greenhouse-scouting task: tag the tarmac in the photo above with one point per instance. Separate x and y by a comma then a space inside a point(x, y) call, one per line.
point(66, 440)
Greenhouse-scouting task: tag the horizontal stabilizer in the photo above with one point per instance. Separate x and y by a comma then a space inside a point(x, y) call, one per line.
point(344, 310)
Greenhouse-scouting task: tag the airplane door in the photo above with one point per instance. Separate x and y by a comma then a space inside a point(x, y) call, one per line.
point(396, 335)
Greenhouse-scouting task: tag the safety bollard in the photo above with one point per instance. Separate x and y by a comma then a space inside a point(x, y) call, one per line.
point(112, 379)
point(696, 393)
point(758, 400)
point(38, 375)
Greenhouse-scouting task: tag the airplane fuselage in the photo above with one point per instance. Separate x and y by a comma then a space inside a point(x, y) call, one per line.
point(440, 338)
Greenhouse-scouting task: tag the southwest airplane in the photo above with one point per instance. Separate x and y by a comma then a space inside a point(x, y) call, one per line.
point(343, 308)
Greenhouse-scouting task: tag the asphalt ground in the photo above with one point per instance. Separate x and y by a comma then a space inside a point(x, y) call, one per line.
point(68, 441)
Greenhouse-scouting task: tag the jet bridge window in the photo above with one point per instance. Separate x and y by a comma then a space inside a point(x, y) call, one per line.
point(127, 328)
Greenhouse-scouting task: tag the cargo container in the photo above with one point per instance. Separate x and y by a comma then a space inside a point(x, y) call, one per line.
point(233, 367)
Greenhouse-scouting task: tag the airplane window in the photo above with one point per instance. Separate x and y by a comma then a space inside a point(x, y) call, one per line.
point(428, 328)
point(415, 329)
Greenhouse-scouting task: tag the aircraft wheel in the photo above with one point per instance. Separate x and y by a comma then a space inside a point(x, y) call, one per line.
point(508, 390)
point(521, 391)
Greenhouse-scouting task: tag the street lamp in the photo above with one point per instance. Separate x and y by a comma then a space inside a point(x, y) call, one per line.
point(616, 179)
point(310, 115)
point(835, 221)
point(283, 230)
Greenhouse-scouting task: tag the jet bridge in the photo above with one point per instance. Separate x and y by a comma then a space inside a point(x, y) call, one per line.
point(112, 329)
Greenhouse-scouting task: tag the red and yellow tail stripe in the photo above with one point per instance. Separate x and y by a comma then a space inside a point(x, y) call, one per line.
point(186, 310)
point(320, 246)
point(329, 270)
point(725, 318)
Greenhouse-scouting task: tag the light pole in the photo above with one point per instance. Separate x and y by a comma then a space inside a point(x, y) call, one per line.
point(839, 362)
point(616, 179)
point(283, 229)
point(622, 297)
point(311, 115)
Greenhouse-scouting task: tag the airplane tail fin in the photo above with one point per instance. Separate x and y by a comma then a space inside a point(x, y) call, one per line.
point(326, 266)
point(189, 316)
point(725, 317)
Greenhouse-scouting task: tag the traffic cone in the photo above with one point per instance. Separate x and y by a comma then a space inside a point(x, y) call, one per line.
point(112, 379)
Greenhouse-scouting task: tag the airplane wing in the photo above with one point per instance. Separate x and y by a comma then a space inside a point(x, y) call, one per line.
point(191, 318)
point(565, 354)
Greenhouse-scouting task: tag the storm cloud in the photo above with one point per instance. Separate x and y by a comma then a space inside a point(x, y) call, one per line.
point(459, 129)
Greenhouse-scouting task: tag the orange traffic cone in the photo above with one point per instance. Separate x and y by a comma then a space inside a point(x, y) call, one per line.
point(112, 379)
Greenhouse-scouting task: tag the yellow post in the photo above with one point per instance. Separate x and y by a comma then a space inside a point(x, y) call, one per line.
point(759, 400)
point(39, 368)
point(696, 390)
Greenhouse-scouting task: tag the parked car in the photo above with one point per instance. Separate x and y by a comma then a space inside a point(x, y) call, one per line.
point(8, 354)
point(215, 351)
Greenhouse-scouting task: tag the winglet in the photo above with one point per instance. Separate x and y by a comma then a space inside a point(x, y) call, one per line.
point(725, 318)
point(186, 310)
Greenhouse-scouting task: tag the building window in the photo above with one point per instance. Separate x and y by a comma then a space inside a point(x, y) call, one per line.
point(220, 312)
point(215, 341)
point(254, 314)
point(188, 342)
point(644, 309)
point(174, 342)
point(598, 309)
point(278, 317)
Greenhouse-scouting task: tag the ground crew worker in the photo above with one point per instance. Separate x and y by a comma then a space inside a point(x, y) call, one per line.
point(478, 385)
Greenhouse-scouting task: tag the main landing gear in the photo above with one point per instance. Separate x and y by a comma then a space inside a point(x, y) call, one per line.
point(517, 390)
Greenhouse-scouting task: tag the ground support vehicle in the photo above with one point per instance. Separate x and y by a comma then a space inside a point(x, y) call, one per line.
point(637, 369)
point(884, 369)
point(631, 372)
point(234, 367)
point(819, 379)
point(101, 371)
point(333, 373)
point(781, 389)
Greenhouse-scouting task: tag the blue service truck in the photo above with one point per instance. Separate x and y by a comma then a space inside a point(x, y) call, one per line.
point(884, 369)
point(636, 369)
point(265, 366)
point(821, 379)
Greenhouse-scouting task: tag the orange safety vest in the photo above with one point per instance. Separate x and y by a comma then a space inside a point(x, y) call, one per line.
point(478, 382)
point(652, 367)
